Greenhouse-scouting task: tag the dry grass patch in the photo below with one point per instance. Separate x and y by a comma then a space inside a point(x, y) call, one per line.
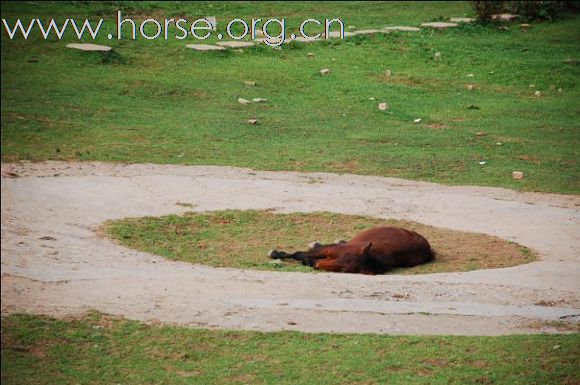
point(241, 239)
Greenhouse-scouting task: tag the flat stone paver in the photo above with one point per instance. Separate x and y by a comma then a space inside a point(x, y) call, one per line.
point(439, 25)
point(402, 28)
point(334, 34)
point(90, 47)
point(235, 44)
point(205, 47)
point(370, 31)
point(505, 17)
point(461, 20)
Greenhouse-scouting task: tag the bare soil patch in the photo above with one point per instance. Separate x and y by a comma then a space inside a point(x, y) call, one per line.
point(241, 239)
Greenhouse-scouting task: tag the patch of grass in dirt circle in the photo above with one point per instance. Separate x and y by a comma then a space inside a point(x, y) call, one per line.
point(241, 239)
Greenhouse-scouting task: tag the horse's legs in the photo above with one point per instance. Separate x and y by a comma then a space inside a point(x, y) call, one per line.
point(307, 258)
point(340, 266)
point(329, 265)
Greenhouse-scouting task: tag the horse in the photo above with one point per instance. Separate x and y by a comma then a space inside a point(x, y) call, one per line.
point(373, 251)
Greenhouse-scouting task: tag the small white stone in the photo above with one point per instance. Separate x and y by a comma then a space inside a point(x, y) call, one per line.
point(388, 73)
point(417, 120)
point(437, 56)
point(310, 54)
point(250, 83)
point(518, 175)
point(470, 75)
point(243, 101)
point(538, 94)
point(253, 121)
point(383, 106)
point(482, 163)
point(325, 71)
point(259, 100)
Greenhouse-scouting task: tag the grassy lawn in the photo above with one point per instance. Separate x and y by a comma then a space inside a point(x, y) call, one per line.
point(162, 103)
point(242, 239)
point(103, 350)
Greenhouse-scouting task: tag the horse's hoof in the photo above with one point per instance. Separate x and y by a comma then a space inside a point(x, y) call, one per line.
point(272, 253)
point(314, 245)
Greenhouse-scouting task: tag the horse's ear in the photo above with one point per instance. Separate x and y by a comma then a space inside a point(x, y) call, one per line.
point(367, 248)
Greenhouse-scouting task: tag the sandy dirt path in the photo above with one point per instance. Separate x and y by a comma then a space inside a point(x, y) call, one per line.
point(54, 262)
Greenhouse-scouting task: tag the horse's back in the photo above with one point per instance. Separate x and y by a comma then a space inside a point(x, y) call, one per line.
point(395, 237)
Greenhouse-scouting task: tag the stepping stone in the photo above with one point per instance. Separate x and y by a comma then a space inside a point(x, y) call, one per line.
point(461, 20)
point(370, 31)
point(402, 28)
point(337, 34)
point(205, 47)
point(302, 39)
point(212, 21)
point(235, 44)
point(271, 41)
point(504, 17)
point(90, 47)
point(439, 25)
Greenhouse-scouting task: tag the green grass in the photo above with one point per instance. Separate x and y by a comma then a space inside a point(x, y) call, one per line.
point(242, 239)
point(103, 350)
point(159, 102)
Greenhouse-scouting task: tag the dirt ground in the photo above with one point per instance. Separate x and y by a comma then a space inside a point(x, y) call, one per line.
point(54, 261)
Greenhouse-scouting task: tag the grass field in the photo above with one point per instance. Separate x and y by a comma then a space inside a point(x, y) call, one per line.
point(156, 101)
point(160, 102)
point(241, 239)
point(100, 349)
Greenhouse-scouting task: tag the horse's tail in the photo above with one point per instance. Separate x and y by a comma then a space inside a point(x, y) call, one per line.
point(431, 254)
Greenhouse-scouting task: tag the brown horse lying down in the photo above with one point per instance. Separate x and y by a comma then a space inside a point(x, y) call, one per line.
point(373, 251)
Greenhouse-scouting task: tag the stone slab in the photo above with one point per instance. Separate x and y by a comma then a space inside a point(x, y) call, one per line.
point(402, 28)
point(90, 47)
point(439, 25)
point(205, 47)
point(235, 44)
